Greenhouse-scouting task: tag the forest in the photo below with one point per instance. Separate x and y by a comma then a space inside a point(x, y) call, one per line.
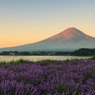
point(84, 52)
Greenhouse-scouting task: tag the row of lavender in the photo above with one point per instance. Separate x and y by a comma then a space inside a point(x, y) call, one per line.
point(45, 78)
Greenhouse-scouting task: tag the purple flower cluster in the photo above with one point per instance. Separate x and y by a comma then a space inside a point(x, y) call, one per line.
point(45, 78)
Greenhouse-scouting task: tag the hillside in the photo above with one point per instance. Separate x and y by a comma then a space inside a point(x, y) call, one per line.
point(67, 40)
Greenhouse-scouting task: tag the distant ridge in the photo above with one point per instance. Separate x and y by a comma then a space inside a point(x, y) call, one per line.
point(67, 40)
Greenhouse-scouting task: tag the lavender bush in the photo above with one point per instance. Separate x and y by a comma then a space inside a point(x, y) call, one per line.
point(46, 78)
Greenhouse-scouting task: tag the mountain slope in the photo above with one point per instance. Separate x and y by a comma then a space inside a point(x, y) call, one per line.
point(71, 33)
point(67, 40)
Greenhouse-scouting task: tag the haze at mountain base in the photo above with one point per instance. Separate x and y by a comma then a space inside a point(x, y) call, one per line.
point(67, 40)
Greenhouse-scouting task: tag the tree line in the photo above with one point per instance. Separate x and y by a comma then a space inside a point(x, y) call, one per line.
point(34, 53)
point(79, 52)
point(84, 52)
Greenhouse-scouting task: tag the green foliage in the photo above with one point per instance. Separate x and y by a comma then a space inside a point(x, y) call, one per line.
point(92, 58)
point(84, 52)
point(46, 60)
point(15, 62)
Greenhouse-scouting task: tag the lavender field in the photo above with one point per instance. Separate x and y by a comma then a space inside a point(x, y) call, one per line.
point(48, 78)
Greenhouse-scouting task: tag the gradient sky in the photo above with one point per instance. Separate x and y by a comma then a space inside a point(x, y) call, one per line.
point(28, 21)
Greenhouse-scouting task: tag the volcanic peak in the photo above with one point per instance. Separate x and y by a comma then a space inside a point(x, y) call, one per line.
point(70, 33)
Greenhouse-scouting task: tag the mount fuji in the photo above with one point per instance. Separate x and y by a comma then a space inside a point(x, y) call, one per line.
point(67, 40)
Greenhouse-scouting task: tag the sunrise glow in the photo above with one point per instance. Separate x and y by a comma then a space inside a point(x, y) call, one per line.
point(24, 22)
